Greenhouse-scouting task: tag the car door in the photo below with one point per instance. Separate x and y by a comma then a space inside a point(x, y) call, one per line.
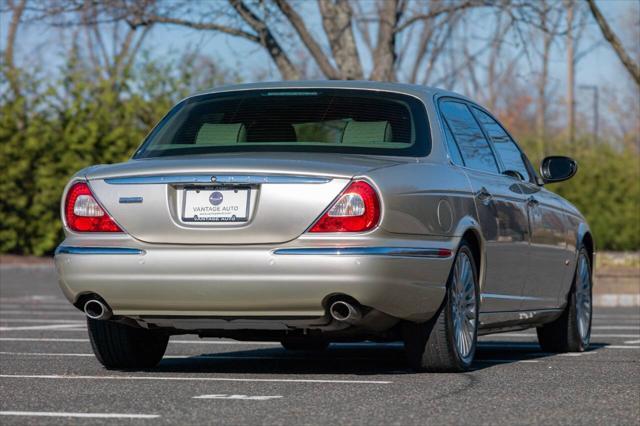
point(501, 210)
point(552, 259)
point(546, 222)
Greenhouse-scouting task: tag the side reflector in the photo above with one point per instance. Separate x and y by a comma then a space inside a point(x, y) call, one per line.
point(84, 214)
point(357, 209)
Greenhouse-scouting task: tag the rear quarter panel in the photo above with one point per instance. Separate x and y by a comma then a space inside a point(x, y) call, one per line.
point(424, 199)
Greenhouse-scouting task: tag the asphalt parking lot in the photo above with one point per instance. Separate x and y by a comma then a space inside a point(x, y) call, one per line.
point(48, 375)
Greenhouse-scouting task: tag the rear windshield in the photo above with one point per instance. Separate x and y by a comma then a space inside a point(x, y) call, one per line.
point(337, 120)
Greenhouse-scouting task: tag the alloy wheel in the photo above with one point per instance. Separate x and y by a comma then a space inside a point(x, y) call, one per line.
point(583, 299)
point(464, 306)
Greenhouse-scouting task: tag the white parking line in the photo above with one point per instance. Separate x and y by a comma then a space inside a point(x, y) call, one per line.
point(39, 327)
point(41, 320)
point(506, 361)
point(32, 298)
point(38, 339)
point(45, 354)
point(573, 354)
point(51, 332)
point(68, 313)
point(34, 305)
point(180, 342)
point(242, 397)
point(186, 379)
point(79, 415)
point(250, 358)
point(615, 327)
point(631, 342)
point(533, 335)
point(616, 316)
point(621, 347)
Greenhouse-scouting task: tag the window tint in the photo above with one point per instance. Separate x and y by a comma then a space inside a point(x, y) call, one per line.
point(474, 147)
point(287, 120)
point(507, 150)
point(454, 151)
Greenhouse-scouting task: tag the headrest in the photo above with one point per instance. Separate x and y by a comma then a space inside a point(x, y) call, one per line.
point(221, 134)
point(364, 132)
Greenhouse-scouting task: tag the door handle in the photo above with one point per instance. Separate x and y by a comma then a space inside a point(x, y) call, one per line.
point(484, 195)
point(532, 202)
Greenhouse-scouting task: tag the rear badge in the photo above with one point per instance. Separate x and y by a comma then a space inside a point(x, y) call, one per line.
point(213, 178)
point(216, 198)
point(130, 200)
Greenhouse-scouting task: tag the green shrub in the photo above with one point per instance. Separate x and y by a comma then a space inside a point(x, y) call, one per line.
point(54, 129)
point(606, 190)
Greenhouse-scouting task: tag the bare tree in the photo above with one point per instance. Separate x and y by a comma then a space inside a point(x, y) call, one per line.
point(126, 40)
point(279, 28)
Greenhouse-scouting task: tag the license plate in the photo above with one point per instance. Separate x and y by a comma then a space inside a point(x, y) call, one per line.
point(216, 205)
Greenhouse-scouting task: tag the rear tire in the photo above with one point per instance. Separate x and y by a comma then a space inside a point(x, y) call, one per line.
point(304, 344)
point(120, 346)
point(571, 332)
point(447, 343)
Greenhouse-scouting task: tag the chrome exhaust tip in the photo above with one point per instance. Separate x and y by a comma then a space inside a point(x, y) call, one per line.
point(342, 311)
point(97, 310)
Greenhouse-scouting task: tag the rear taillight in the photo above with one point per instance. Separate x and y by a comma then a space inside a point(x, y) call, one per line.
point(84, 214)
point(357, 209)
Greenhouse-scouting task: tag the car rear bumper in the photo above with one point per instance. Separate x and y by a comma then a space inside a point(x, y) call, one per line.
point(406, 282)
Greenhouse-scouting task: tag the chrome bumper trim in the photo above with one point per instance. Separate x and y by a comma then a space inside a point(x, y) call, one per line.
point(215, 179)
point(368, 251)
point(98, 250)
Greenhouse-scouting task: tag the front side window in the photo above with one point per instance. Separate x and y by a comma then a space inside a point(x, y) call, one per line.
point(315, 120)
point(474, 147)
point(507, 150)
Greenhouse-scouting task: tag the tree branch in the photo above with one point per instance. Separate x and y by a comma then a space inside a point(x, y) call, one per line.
point(312, 45)
point(614, 41)
point(439, 11)
point(152, 19)
point(267, 40)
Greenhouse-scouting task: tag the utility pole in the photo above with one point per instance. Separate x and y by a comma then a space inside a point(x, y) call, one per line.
point(596, 117)
point(570, 74)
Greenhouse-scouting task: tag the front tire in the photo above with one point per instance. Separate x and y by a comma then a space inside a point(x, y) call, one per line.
point(447, 343)
point(571, 332)
point(119, 346)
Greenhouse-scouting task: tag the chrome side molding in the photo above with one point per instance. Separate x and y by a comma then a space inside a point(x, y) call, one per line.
point(130, 200)
point(509, 297)
point(368, 251)
point(98, 250)
point(215, 179)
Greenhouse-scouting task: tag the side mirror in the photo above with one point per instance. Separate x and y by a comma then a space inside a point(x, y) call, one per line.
point(557, 168)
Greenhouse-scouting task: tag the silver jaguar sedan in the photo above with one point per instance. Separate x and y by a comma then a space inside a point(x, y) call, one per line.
point(317, 212)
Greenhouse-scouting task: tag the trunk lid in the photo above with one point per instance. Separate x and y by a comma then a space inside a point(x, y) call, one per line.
point(275, 197)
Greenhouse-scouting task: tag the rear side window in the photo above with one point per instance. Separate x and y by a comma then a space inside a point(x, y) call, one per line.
point(508, 151)
point(322, 120)
point(474, 147)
